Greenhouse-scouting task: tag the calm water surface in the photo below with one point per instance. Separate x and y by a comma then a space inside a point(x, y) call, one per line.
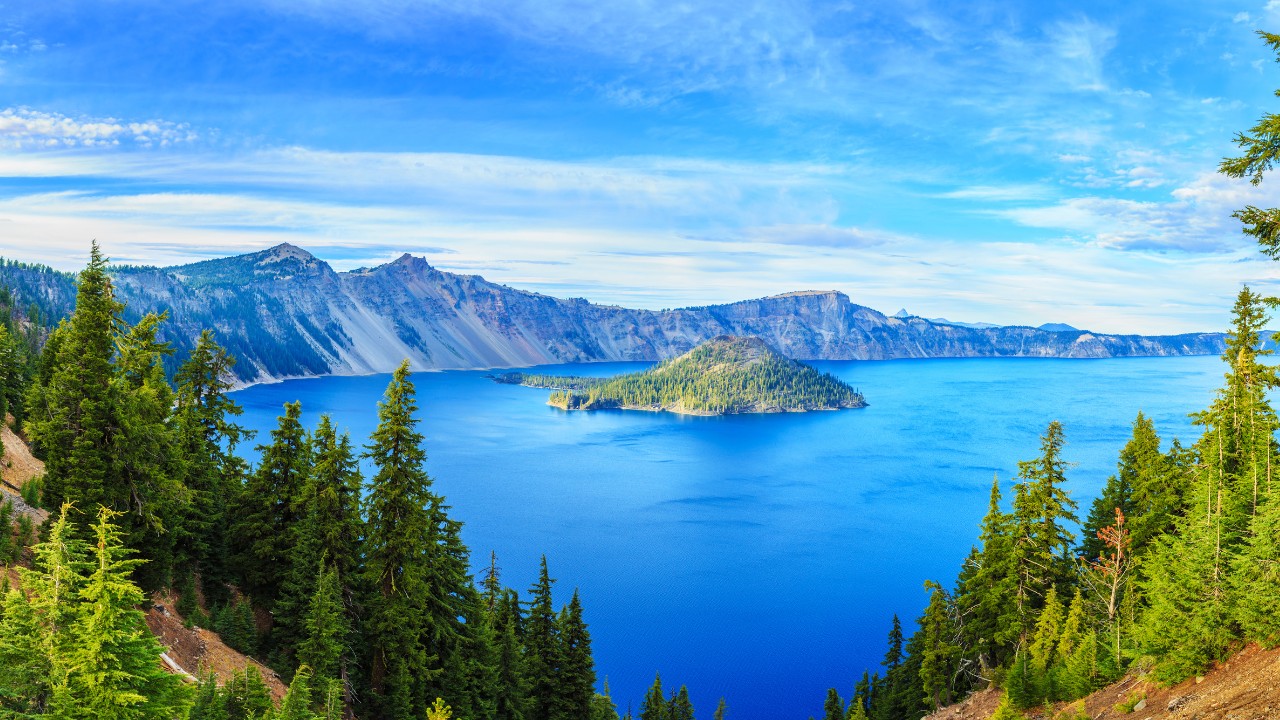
point(758, 558)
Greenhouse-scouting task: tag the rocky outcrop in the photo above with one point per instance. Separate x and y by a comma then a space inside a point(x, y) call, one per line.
point(285, 313)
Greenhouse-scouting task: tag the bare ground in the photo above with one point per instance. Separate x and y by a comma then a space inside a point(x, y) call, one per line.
point(197, 650)
point(1246, 687)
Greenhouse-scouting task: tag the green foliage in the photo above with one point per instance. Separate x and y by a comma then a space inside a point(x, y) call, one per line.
point(247, 696)
point(209, 703)
point(725, 375)
point(327, 631)
point(1126, 707)
point(235, 624)
point(833, 707)
point(33, 492)
point(74, 644)
point(1260, 147)
point(1006, 710)
point(655, 705)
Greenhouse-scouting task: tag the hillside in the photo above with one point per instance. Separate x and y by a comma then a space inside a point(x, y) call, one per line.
point(723, 376)
point(188, 650)
point(1245, 687)
point(285, 313)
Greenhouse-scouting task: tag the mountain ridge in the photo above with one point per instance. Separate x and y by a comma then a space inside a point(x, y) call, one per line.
point(286, 313)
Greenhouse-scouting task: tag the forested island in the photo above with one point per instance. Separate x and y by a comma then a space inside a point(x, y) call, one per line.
point(724, 376)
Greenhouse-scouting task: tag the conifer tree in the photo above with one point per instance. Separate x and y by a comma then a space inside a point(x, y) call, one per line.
point(655, 705)
point(939, 653)
point(857, 709)
point(511, 702)
point(602, 705)
point(397, 572)
point(680, 707)
point(833, 707)
point(267, 519)
point(543, 647)
point(207, 437)
point(327, 632)
point(247, 695)
point(577, 669)
point(113, 668)
point(209, 702)
point(328, 532)
point(1042, 514)
point(720, 710)
point(1256, 576)
point(987, 588)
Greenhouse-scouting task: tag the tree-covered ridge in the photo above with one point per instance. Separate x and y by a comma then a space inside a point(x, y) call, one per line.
point(722, 376)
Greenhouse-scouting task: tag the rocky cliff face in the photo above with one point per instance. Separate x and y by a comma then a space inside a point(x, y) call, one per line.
point(285, 313)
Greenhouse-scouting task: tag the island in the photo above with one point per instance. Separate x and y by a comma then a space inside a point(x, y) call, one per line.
point(723, 376)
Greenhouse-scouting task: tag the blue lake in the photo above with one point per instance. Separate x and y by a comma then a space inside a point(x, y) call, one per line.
point(759, 558)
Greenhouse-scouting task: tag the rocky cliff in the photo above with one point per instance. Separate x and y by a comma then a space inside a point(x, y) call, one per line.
point(285, 313)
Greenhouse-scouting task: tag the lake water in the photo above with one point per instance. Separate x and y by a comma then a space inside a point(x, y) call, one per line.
point(759, 558)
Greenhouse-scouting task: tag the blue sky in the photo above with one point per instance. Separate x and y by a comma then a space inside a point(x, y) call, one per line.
point(1015, 162)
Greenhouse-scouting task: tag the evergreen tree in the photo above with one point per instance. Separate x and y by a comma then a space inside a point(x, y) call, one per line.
point(512, 682)
point(397, 570)
point(267, 519)
point(209, 702)
point(833, 707)
point(680, 707)
point(939, 653)
point(327, 632)
point(602, 705)
point(1042, 513)
point(543, 649)
point(857, 709)
point(1256, 576)
point(247, 695)
point(986, 590)
point(296, 704)
point(655, 706)
point(327, 532)
point(720, 711)
point(207, 437)
point(577, 670)
point(113, 668)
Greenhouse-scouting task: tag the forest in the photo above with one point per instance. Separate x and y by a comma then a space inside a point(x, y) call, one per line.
point(357, 591)
point(721, 376)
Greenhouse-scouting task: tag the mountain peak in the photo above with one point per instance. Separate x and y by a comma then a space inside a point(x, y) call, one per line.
point(284, 251)
point(280, 262)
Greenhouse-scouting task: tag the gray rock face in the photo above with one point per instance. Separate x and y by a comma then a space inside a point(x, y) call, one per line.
point(285, 313)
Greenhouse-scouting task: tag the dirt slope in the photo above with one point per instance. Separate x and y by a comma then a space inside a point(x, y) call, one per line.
point(1246, 687)
point(196, 650)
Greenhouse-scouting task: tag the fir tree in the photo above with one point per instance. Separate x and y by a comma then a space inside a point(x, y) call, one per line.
point(939, 653)
point(543, 646)
point(833, 706)
point(207, 437)
point(113, 667)
point(680, 707)
point(655, 705)
point(577, 670)
point(397, 572)
point(326, 632)
point(720, 710)
point(266, 525)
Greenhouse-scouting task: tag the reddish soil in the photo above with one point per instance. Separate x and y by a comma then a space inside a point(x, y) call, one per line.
point(1246, 687)
point(196, 650)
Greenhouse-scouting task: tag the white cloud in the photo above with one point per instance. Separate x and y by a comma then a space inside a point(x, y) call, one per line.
point(24, 127)
point(1241, 17)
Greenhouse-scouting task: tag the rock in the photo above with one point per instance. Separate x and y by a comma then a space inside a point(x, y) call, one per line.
point(1142, 704)
point(1178, 702)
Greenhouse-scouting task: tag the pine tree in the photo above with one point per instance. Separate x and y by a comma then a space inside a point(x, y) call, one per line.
point(720, 711)
point(209, 702)
point(577, 669)
point(833, 707)
point(327, 631)
point(939, 653)
point(655, 706)
point(857, 709)
point(397, 570)
point(543, 649)
point(267, 519)
point(1256, 576)
point(602, 705)
point(207, 437)
point(247, 695)
point(327, 532)
point(680, 707)
point(986, 590)
point(1042, 513)
point(296, 704)
point(113, 668)
point(511, 702)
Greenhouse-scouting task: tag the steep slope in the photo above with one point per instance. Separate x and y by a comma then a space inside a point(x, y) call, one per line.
point(285, 313)
point(1246, 687)
point(723, 376)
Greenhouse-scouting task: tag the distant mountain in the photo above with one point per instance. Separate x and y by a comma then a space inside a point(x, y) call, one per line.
point(723, 376)
point(285, 313)
point(1057, 327)
point(957, 323)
